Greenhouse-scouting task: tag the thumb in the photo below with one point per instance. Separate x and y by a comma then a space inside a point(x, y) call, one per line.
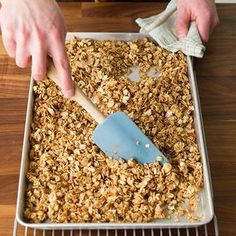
point(182, 25)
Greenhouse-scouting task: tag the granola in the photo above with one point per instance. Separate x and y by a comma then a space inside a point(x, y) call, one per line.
point(71, 180)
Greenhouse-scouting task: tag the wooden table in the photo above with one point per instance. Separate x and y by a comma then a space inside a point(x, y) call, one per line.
point(216, 75)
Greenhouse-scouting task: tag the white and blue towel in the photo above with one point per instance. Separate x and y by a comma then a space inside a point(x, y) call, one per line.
point(161, 28)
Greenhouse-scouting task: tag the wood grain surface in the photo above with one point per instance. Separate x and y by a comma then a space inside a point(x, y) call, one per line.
point(216, 76)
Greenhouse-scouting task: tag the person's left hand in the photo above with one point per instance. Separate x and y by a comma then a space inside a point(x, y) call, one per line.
point(203, 12)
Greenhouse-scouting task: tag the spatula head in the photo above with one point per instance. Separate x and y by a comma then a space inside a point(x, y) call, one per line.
point(119, 137)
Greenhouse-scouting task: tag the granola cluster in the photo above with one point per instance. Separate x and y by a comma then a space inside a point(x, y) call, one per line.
point(71, 180)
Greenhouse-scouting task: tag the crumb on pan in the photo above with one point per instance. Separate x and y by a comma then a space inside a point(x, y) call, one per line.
point(71, 180)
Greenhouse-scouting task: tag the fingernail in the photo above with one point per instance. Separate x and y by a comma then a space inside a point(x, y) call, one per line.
point(181, 36)
point(181, 33)
point(68, 93)
point(36, 77)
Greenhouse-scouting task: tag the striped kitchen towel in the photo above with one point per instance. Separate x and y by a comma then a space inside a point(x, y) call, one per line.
point(161, 28)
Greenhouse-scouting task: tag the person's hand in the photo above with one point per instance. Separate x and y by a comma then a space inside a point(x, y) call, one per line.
point(32, 30)
point(202, 11)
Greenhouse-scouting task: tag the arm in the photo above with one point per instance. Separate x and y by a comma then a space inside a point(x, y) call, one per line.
point(32, 30)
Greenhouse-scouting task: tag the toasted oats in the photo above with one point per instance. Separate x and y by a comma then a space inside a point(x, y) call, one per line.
point(167, 167)
point(71, 180)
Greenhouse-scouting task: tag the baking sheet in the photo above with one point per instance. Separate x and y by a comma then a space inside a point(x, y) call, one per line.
point(206, 201)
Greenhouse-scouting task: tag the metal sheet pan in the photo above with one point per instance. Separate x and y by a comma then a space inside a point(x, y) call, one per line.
point(206, 195)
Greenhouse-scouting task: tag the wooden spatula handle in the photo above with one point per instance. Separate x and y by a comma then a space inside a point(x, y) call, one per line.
point(79, 96)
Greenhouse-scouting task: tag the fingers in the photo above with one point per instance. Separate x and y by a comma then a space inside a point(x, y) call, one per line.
point(37, 52)
point(205, 24)
point(202, 11)
point(182, 24)
point(9, 43)
point(204, 27)
point(28, 36)
point(39, 60)
point(22, 52)
point(62, 65)
point(215, 22)
point(17, 47)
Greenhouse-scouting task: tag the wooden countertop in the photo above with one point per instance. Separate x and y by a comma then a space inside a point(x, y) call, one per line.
point(216, 76)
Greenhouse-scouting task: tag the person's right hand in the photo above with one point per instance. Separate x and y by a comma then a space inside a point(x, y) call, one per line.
point(32, 30)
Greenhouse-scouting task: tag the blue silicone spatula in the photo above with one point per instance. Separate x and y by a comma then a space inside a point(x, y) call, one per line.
point(116, 135)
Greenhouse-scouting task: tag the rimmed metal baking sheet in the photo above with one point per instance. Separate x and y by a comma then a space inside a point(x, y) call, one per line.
point(206, 201)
